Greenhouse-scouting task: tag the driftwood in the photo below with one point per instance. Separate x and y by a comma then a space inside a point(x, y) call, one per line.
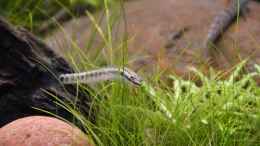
point(27, 70)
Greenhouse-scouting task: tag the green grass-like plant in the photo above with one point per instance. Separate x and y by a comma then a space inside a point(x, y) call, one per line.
point(219, 112)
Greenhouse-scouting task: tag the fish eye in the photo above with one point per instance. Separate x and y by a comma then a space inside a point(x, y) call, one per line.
point(62, 78)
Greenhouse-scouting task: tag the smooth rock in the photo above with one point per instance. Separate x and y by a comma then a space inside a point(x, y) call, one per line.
point(41, 131)
point(152, 25)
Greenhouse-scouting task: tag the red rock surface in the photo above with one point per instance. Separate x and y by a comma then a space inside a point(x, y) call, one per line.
point(41, 131)
point(151, 23)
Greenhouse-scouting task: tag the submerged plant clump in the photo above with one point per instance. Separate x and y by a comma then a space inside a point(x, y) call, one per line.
point(219, 112)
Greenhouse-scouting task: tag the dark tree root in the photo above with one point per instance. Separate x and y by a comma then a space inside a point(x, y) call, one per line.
point(27, 70)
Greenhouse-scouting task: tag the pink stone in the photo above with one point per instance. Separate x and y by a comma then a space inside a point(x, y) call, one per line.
point(41, 131)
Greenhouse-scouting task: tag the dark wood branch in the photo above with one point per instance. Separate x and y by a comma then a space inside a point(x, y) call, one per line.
point(27, 69)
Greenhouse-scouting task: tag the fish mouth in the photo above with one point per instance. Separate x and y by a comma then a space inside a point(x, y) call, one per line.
point(137, 82)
